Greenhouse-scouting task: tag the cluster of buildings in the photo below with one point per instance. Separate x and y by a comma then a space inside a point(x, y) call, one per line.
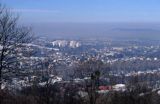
point(65, 43)
point(56, 57)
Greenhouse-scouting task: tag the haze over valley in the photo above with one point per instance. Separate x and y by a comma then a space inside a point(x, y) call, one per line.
point(146, 31)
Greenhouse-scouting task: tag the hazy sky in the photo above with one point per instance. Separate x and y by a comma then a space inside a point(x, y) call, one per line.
point(98, 18)
point(86, 10)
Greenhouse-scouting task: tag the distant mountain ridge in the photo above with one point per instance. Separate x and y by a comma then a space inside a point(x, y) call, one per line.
point(99, 30)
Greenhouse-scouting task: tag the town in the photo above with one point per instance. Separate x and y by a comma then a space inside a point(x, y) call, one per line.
point(56, 61)
point(79, 52)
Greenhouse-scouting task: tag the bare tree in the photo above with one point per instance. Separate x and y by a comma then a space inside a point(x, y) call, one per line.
point(86, 68)
point(93, 87)
point(91, 68)
point(12, 36)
